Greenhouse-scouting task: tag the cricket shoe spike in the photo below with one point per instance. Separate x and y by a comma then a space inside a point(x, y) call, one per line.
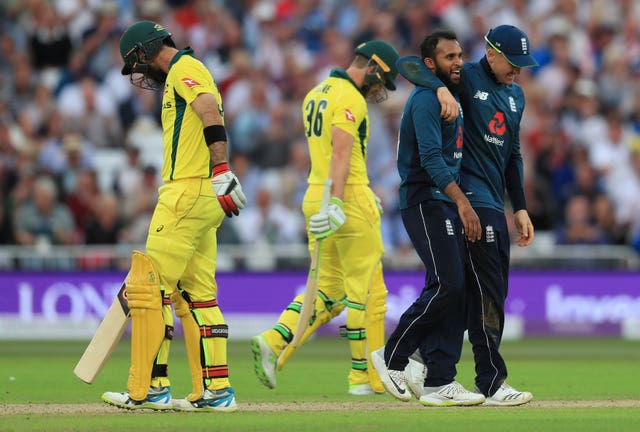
point(508, 396)
point(452, 394)
point(264, 361)
point(223, 400)
point(158, 398)
point(393, 380)
point(415, 373)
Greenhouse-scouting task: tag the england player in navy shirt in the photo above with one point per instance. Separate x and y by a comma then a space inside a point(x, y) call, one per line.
point(493, 104)
point(434, 212)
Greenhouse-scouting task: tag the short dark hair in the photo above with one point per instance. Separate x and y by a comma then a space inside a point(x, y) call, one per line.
point(429, 44)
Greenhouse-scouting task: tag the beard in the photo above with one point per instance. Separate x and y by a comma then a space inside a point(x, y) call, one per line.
point(156, 74)
point(454, 88)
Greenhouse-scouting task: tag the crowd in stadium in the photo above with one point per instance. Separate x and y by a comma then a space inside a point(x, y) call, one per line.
point(80, 148)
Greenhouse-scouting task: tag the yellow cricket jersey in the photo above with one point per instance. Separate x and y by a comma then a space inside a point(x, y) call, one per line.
point(336, 101)
point(185, 153)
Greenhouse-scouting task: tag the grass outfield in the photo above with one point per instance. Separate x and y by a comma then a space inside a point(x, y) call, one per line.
point(579, 385)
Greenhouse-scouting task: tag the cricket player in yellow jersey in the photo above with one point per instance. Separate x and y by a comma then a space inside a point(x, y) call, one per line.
point(336, 122)
point(179, 264)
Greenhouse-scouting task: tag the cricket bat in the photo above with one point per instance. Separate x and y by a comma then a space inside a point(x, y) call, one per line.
point(311, 290)
point(105, 339)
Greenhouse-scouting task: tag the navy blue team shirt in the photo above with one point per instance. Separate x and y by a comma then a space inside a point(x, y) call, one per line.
point(492, 161)
point(429, 149)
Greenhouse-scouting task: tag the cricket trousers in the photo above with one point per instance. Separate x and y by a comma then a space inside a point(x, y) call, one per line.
point(486, 290)
point(435, 321)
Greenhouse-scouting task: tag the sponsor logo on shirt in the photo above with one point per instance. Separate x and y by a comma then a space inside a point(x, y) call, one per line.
point(512, 104)
point(497, 125)
point(190, 82)
point(481, 95)
point(493, 140)
point(349, 115)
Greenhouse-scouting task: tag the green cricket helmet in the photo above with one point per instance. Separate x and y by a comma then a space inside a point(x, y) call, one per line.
point(139, 43)
point(385, 56)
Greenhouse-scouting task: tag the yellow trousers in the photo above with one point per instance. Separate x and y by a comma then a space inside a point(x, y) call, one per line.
point(182, 244)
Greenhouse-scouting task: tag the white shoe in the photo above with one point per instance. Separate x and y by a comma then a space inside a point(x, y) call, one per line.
point(415, 373)
point(508, 396)
point(158, 398)
point(361, 389)
point(264, 361)
point(452, 394)
point(393, 380)
point(212, 400)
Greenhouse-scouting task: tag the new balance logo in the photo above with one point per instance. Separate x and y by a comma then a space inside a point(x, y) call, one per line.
point(512, 104)
point(449, 226)
point(481, 95)
point(489, 234)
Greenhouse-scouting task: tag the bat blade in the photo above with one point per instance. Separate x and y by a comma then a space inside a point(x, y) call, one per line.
point(307, 309)
point(310, 292)
point(105, 339)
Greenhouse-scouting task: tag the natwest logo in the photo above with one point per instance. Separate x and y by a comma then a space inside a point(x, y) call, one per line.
point(497, 125)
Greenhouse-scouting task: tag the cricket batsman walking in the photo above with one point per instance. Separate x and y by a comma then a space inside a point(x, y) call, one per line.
point(179, 263)
point(337, 127)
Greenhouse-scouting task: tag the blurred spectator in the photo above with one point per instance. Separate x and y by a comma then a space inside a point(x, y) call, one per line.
point(294, 175)
point(6, 224)
point(610, 156)
point(105, 224)
point(22, 85)
point(129, 177)
point(578, 226)
point(82, 198)
point(269, 222)
point(265, 223)
point(605, 217)
point(63, 153)
point(42, 219)
point(8, 161)
point(97, 39)
point(88, 108)
point(49, 41)
point(138, 209)
point(251, 123)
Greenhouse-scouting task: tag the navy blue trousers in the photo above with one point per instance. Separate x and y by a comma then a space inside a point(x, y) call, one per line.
point(487, 285)
point(438, 314)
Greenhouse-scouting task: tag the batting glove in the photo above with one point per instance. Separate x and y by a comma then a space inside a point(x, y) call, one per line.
point(327, 222)
point(228, 190)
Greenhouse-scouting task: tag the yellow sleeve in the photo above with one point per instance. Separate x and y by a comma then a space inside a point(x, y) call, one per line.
point(192, 79)
point(351, 111)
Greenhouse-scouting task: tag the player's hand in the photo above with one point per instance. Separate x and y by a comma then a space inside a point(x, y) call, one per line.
point(327, 222)
point(228, 190)
point(379, 204)
point(449, 108)
point(524, 226)
point(471, 222)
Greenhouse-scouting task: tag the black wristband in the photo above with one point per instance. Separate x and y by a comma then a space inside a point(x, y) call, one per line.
point(214, 133)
